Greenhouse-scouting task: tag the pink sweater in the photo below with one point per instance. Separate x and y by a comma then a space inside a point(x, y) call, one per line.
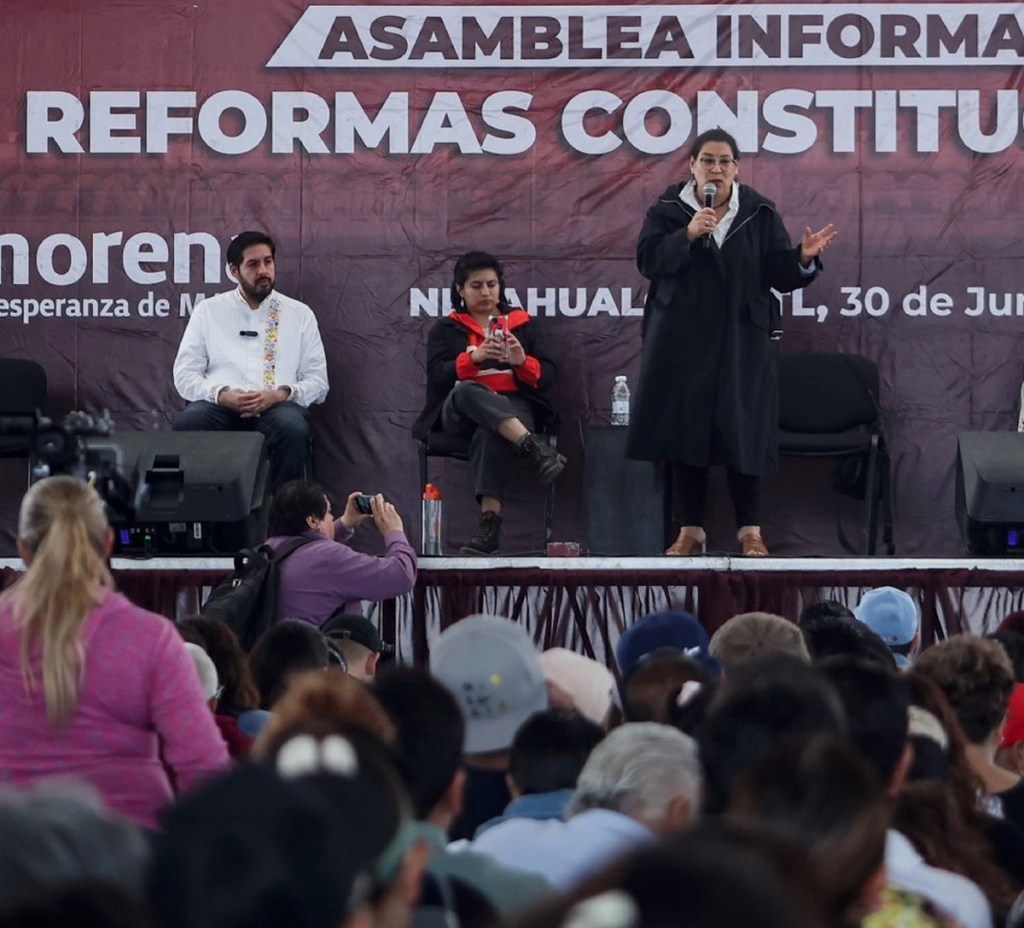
point(140, 706)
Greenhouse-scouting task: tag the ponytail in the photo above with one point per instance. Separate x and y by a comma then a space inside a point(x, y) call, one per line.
point(63, 524)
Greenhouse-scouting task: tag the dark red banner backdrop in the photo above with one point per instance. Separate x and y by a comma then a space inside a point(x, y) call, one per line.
point(377, 143)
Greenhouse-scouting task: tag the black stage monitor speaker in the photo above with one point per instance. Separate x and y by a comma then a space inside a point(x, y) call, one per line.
point(200, 493)
point(990, 492)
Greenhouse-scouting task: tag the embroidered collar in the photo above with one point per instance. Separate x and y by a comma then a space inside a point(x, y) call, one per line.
point(273, 305)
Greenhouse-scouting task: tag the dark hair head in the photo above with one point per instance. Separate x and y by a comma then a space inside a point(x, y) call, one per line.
point(876, 701)
point(1013, 622)
point(687, 707)
point(714, 886)
point(714, 135)
point(761, 703)
point(283, 650)
point(258, 847)
point(946, 763)
point(818, 791)
point(235, 251)
point(86, 904)
point(834, 635)
point(787, 861)
point(929, 816)
point(293, 503)
point(431, 732)
point(824, 608)
point(473, 261)
point(550, 749)
point(54, 839)
point(655, 678)
point(977, 678)
point(1013, 643)
point(717, 873)
point(324, 703)
point(239, 693)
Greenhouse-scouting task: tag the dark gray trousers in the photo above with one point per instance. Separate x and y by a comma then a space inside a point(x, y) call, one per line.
point(474, 411)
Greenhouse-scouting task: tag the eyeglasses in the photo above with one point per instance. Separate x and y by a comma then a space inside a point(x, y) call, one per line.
point(335, 657)
point(724, 163)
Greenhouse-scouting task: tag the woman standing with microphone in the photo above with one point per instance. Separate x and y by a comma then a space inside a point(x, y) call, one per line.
point(708, 391)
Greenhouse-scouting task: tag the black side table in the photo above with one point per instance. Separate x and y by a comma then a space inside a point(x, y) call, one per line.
point(625, 499)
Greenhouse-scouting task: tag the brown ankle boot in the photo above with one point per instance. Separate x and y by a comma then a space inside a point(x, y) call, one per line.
point(549, 462)
point(485, 539)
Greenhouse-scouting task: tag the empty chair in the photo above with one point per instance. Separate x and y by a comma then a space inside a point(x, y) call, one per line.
point(829, 406)
point(22, 398)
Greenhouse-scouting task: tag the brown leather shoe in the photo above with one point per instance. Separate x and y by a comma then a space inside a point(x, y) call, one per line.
point(753, 545)
point(686, 546)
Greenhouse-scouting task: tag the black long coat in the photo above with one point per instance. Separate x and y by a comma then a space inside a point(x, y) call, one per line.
point(708, 391)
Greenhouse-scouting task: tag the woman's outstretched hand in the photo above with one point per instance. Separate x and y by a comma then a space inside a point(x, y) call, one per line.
point(814, 243)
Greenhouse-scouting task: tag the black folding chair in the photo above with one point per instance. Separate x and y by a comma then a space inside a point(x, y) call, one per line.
point(22, 398)
point(829, 406)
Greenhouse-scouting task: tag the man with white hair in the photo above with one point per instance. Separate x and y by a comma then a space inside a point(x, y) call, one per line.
point(642, 780)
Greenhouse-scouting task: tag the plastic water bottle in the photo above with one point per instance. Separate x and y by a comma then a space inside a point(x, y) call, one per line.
point(620, 401)
point(430, 523)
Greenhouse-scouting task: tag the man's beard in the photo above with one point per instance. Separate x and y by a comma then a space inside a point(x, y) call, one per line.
point(253, 292)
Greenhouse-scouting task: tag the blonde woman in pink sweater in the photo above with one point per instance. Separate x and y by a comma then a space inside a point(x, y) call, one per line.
point(92, 687)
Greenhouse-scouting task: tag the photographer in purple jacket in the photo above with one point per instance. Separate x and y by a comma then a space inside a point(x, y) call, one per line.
point(327, 577)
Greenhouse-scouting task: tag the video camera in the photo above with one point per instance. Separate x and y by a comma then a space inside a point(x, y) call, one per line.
point(166, 493)
point(79, 445)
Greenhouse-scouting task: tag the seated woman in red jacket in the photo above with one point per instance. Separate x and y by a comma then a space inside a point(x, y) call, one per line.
point(487, 378)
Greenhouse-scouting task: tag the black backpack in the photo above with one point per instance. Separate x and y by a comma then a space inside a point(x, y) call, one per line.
point(247, 603)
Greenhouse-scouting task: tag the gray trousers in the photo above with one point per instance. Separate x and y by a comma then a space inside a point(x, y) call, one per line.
point(474, 411)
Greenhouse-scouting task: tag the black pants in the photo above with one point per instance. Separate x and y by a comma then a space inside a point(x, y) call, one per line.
point(285, 427)
point(476, 412)
point(690, 491)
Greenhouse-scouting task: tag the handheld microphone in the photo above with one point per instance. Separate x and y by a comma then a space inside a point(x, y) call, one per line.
point(709, 192)
point(249, 333)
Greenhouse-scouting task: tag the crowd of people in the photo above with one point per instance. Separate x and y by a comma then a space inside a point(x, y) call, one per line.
point(813, 771)
point(819, 773)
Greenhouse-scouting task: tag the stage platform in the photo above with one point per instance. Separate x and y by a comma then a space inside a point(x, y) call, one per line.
point(585, 603)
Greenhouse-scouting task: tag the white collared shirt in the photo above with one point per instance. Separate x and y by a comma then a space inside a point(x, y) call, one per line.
point(689, 196)
point(214, 355)
point(954, 894)
point(564, 853)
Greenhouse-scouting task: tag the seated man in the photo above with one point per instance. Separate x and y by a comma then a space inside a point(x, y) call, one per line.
point(326, 577)
point(547, 755)
point(251, 358)
point(359, 642)
point(641, 781)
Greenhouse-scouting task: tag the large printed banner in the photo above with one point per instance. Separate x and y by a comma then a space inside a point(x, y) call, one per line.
point(378, 142)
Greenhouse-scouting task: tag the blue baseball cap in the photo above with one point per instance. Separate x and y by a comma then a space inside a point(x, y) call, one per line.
point(677, 630)
point(891, 614)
